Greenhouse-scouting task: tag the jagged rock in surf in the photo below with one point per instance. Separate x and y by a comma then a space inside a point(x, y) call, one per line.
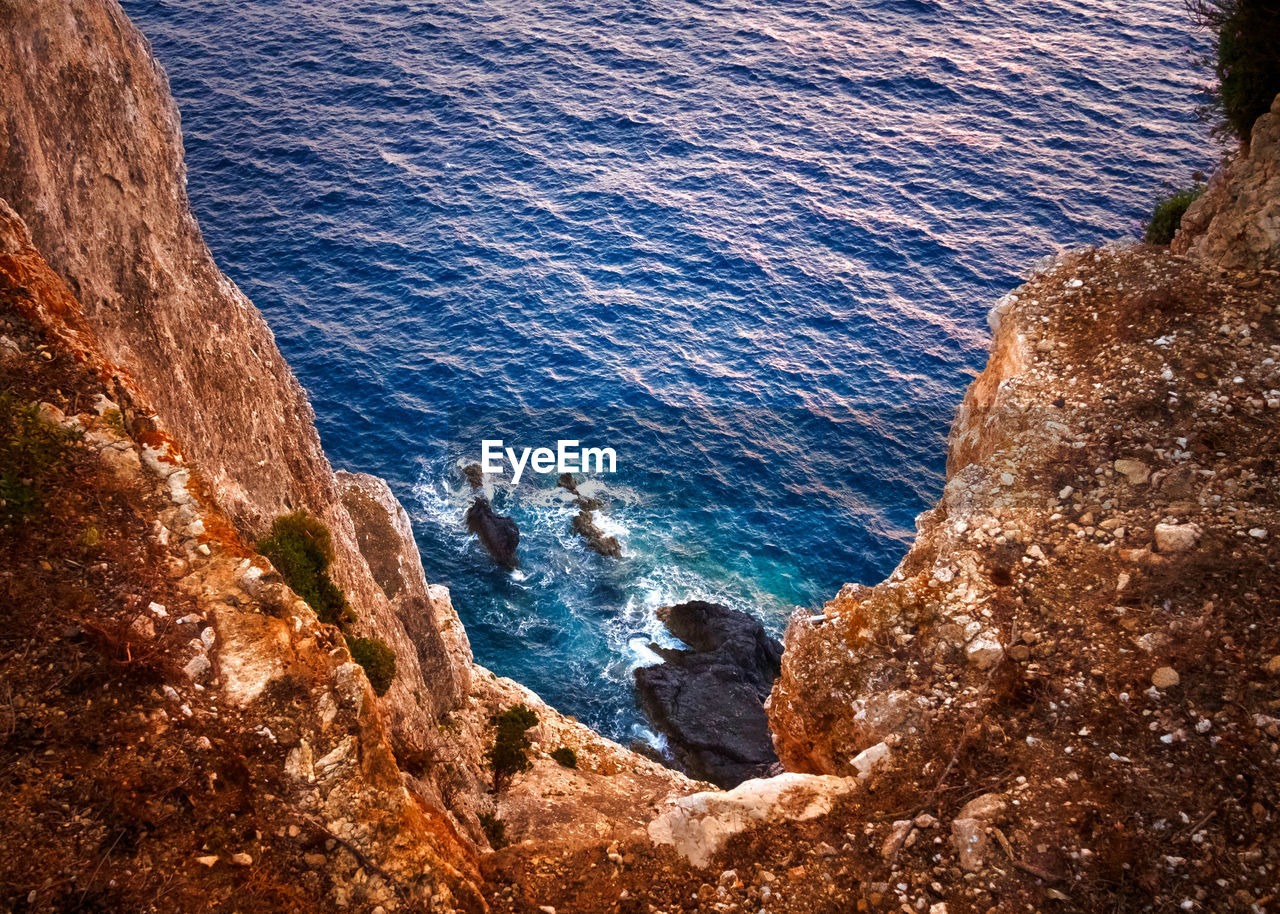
point(709, 701)
point(498, 533)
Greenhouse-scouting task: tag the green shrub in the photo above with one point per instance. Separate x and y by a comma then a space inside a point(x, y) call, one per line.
point(378, 660)
point(509, 754)
point(301, 549)
point(1167, 214)
point(1245, 60)
point(566, 757)
point(30, 451)
point(115, 421)
point(494, 829)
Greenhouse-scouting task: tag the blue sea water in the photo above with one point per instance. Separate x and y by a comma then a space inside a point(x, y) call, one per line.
point(750, 245)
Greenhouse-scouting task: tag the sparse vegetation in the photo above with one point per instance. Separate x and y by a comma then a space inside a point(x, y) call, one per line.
point(301, 549)
point(378, 660)
point(1167, 215)
point(495, 830)
point(509, 754)
point(115, 421)
point(566, 757)
point(30, 451)
point(1245, 61)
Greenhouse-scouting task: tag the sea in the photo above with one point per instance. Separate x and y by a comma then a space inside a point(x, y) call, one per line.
point(748, 245)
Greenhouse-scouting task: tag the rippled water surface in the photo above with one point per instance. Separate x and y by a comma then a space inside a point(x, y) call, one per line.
point(750, 245)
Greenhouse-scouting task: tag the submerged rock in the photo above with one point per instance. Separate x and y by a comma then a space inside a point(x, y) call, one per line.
point(709, 701)
point(498, 534)
point(585, 526)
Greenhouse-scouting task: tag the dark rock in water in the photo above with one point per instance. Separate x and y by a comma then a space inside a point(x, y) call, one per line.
point(475, 475)
point(584, 524)
point(709, 701)
point(596, 538)
point(499, 534)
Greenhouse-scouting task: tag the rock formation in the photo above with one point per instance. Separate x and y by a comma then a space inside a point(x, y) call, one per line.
point(498, 533)
point(1074, 634)
point(91, 160)
point(1236, 222)
point(710, 701)
point(584, 522)
point(1062, 699)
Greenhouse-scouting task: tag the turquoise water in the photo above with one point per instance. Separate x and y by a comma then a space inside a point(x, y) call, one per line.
point(748, 245)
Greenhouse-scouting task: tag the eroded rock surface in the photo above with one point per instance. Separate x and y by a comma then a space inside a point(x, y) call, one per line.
point(1236, 223)
point(709, 701)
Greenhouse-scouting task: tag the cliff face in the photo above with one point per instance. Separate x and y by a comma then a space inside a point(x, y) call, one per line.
point(1078, 636)
point(205, 739)
point(91, 159)
point(1236, 223)
point(91, 164)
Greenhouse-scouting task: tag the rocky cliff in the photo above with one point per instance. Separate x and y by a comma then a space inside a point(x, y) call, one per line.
point(1080, 635)
point(1236, 223)
point(106, 267)
point(91, 160)
point(1067, 695)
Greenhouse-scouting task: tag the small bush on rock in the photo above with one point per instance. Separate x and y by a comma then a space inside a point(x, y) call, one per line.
point(494, 829)
point(508, 756)
point(301, 549)
point(1167, 215)
point(378, 660)
point(30, 451)
point(566, 757)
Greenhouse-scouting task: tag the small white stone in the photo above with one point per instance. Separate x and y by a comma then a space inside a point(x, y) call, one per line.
point(1258, 533)
point(866, 761)
point(197, 667)
point(1176, 537)
point(985, 650)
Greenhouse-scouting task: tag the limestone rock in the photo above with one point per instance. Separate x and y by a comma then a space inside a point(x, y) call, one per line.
point(1137, 472)
point(1236, 223)
point(699, 825)
point(866, 761)
point(969, 838)
point(1172, 538)
point(1165, 678)
point(254, 651)
point(985, 650)
point(987, 808)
